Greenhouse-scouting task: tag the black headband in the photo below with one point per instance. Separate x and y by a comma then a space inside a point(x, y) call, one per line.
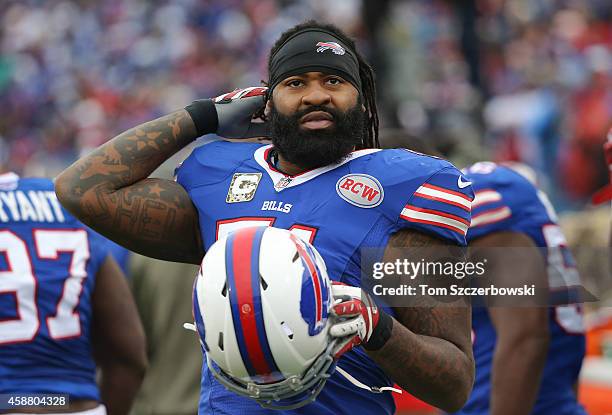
point(314, 50)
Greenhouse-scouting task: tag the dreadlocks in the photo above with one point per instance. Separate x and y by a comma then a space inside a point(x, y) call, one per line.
point(366, 74)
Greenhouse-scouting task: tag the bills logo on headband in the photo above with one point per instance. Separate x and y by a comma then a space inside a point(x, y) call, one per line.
point(315, 298)
point(333, 46)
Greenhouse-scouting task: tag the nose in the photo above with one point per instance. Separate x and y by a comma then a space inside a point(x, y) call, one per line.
point(315, 95)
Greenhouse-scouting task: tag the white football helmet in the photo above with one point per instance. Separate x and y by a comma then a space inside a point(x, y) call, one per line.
point(262, 302)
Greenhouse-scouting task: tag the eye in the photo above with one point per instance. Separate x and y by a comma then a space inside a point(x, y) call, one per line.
point(334, 81)
point(294, 83)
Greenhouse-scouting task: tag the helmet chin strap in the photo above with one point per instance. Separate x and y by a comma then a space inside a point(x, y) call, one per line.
point(373, 389)
point(190, 327)
point(348, 376)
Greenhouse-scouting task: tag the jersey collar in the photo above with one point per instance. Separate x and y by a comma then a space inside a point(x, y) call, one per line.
point(283, 181)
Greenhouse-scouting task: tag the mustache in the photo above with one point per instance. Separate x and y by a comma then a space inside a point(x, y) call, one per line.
point(335, 114)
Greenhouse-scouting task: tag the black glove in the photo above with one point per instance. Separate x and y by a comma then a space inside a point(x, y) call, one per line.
point(231, 115)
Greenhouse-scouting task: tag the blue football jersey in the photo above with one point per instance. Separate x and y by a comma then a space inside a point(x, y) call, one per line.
point(48, 263)
point(507, 201)
point(340, 209)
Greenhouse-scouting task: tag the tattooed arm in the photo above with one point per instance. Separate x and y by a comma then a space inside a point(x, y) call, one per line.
point(429, 353)
point(109, 191)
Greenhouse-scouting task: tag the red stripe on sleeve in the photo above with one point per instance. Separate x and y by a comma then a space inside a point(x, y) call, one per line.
point(450, 192)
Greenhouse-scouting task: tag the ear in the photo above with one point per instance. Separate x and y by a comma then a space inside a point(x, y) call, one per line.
point(361, 99)
point(268, 109)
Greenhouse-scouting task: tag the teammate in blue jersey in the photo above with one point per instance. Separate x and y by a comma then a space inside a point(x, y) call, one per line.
point(324, 178)
point(527, 358)
point(61, 296)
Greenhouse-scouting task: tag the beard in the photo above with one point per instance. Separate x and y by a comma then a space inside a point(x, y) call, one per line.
point(310, 149)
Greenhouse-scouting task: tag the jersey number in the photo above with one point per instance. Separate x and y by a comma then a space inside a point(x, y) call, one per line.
point(306, 233)
point(562, 274)
point(20, 281)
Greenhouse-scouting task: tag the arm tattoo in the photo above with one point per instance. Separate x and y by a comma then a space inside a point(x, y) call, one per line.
point(424, 314)
point(429, 353)
point(109, 190)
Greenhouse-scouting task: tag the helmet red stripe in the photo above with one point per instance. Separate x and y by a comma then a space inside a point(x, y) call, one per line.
point(243, 246)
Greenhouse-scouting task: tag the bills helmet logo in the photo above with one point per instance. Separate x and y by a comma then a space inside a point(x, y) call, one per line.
point(315, 299)
point(333, 46)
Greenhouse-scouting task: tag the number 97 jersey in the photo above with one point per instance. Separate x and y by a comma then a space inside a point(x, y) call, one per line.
point(48, 261)
point(508, 201)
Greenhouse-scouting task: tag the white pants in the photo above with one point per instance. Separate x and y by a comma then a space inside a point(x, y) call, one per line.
point(98, 410)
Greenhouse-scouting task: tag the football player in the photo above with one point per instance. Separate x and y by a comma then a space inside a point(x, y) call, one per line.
point(527, 357)
point(64, 307)
point(322, 177)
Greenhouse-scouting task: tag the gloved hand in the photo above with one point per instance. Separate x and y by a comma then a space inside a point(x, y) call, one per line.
point(360, 321)
point(230, 115)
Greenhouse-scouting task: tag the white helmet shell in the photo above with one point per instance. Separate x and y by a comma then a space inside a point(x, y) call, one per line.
point(262, 300)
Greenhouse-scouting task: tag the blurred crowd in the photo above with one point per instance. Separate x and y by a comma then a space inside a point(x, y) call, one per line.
point(521, 80)
point(525, 80)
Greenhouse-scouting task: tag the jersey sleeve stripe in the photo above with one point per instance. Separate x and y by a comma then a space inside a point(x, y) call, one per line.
point(438, 199)
point(431, 192)
point(491, 216)
point(437, 212)
point(447, 191)
point(486, 196)
point(434, 219)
